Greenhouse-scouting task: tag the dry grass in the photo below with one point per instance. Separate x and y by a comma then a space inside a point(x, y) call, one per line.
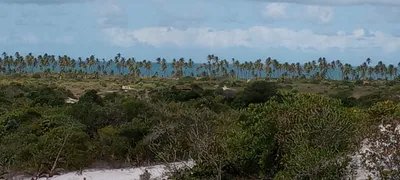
point(114, 83)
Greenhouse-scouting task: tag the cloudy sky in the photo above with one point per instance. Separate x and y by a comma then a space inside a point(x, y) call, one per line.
point(288, 30)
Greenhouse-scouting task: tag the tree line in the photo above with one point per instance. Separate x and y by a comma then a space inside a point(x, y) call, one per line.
point(214, 67)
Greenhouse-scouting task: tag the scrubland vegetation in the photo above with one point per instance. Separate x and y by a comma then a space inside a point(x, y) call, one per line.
point(265, 128)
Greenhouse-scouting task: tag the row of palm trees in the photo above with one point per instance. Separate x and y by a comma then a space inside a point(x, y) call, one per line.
point(212, 68)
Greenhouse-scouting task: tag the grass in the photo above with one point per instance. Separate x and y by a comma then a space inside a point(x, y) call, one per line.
point(114, 83)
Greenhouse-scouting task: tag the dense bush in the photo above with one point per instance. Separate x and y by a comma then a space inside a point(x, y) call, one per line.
point(370, 99)
point(257, 133)
point(178, 95)
point(256, 92)
point(308, 136)
point(346, 96)
point(49, 96)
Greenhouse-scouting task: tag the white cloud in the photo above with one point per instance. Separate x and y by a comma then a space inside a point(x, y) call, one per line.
point(110, 8)
point(254, 37)
point(27, 39)
point(338, 2)
point(120, 37)
point(312, 13)
point(319, 14)
point(359, 32)
point(111, 14)
point(275, 11)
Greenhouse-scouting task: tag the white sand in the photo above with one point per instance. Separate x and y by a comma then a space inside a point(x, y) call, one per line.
point(157, 172)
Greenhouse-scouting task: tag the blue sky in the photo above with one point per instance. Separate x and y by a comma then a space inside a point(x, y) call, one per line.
point(288, 30)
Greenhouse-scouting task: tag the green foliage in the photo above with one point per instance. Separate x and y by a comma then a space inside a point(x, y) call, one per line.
point(36, 76)
point(346, 97)
point(40, 143)
point(346, 83)
point(309, 136)
point(391, 82)
point(47, 96)
point(370, 99)
point(179, 95)
point(315, 81)
point(114, 146)
point(212, 103)
point(272, 135)
point(133, 108)
point(256, 92)
point(384, 109)
point(90, 97)
point(359, 82)
point(13, 120)
point(187, 79)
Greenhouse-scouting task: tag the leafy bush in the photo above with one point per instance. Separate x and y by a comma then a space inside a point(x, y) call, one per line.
point(174, 94)
point(133, 108)
point(346, 97)
point(359, 82)
point(90, 97)
point(370, 99)
point(256, 92)
point(36, 76)
point(305, 136)
point(273, 135)
point(187, 79)
point(391, 83)
point(114, 146)
point(47, 96)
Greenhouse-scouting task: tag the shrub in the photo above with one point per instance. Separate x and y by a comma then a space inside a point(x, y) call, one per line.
point(391, 83)
point(359, 82)
point(90, 97)
point(133, 108)
point(258, 92)
point(187, 79)
point(346, 97)
point(305, 136)
point(36, 76)
point(113, 146)
point(315, 81)
point(47, 96)
point(174, 94)
point(370, 99)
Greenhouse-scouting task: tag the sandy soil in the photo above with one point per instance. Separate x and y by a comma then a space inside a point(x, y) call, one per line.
point(158, 172)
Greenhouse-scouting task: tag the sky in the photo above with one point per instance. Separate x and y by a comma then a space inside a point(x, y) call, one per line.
point(286, 30)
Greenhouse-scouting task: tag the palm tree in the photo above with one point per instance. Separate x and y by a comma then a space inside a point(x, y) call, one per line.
point(368, 61)
point(148, 66)
point(213, 68)
point(164, 66)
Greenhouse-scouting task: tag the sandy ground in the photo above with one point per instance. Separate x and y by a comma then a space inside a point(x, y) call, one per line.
point(158, 172)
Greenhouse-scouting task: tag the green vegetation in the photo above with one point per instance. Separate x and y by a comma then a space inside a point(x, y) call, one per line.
point(281, 128)
point(214, 68)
